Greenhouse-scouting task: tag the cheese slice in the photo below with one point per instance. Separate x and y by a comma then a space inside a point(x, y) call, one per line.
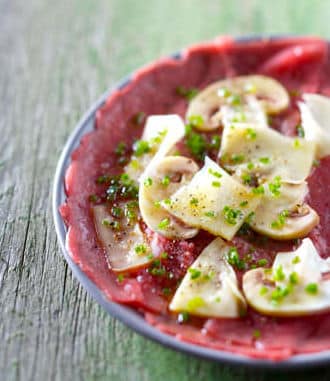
point(161, 132)
point(213, 201)
point(295, 285)
point(267, 152)
point(251, 112)
point(210, 286)
point(126, 247)
point(315, 116)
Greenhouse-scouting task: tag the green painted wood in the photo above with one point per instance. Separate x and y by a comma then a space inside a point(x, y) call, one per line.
point(56, 58)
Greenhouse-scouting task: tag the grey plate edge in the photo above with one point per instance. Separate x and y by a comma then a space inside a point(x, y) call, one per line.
point(129, 316)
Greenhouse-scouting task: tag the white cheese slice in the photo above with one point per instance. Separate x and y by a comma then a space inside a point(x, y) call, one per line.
point(282, 213)
point(296, 285)
point(213, 201)
point(251, 112)
point(161, 132)
point(126, 247)
point(315, 118)
point(243, 145)
point(210, 286)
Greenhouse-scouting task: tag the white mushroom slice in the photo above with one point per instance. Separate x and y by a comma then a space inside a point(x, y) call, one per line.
point(266, 153)
point(210, 286)
point(160, 181)
point(122, 239)
point(161, 133)
point(271, 94)
point(213, 201)
point(296, 285)
point(282, 213)
point(315, 116)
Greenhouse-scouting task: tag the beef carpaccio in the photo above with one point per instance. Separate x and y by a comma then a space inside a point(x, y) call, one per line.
point(302, 65)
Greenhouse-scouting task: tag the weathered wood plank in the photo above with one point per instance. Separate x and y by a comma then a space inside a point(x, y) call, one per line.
point(55, 60)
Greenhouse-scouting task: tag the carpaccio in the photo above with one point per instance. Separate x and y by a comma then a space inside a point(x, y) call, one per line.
point(301, 65)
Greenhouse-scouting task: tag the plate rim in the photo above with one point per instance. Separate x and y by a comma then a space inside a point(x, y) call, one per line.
point(126, 314)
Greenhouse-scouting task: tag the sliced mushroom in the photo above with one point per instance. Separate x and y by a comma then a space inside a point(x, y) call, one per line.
point(265, 152)
point(315, 116)
point(213, 201)
point(282, 213)
point(158, 183)
point(271, 94)
point(210, 286)
point(161, 133)
point(294, 286)
point(121, 237)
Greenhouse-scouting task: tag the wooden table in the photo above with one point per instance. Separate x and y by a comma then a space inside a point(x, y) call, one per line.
point(56, 58)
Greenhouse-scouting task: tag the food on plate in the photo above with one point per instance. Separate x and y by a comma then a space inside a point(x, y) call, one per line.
point(210, 286)
point(201, 198)
point(295, 285)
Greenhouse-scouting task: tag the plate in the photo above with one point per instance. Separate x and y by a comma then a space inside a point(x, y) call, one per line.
point(128, 315)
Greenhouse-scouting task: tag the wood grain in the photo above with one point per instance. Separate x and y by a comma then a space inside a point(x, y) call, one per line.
point(56, 58)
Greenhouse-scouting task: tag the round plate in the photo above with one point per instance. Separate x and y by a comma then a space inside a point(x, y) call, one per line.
point(128, 315)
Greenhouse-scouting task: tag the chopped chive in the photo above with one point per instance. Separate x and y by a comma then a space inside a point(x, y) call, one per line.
point(231, 215)
point(166, 291)
point(216, 184)
point(138, 118)
point(237, 158)
point(224, 92)
point(233, 258)
point(121, 149)
point(263, 290)
point(215, 142)
point(93, 198)
point(164, 224)
point(164, 255)
point(247, 179)
point(258, 190)
point(116, 212)
point(262, 262)
point(279, 274)
point(250, 166)
point(194, 273)
point(187, 93)
point(300, 131)
point(210, 214)
point(275, 186)
point(165, 181)
point(183, 317)
point(215, 173)
point(311, 288)
point(296, 260)
point(251, 133)
point(196, 121)
point(140, 249)
point(148, 182)
point(194, 201)
point(141, 147)
point(293, 278)
point(264, 160)
point(234, 100)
